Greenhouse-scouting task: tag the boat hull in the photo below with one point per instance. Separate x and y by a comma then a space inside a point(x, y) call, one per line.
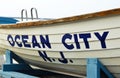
point(65, 47)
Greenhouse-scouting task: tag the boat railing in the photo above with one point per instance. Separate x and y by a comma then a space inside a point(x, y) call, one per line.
point(24, 10)
point(34, 9)
point(26, 14)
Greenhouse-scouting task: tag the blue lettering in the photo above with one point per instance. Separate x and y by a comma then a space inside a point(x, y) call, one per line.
point(25, 42)
point(67, 36)
point(85, 37)
point(63, 59)
point(102, 38)
point(44, 56)
point(45, 41)
point(76, 41)
point(10, 40)
point(17, 37)
point(34, 42)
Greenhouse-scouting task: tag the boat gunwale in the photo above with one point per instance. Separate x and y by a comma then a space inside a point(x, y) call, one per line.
point(63, 20)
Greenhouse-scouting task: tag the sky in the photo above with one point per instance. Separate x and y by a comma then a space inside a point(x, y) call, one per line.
point(55, 8)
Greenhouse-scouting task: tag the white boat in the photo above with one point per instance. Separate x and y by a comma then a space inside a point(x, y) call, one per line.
point(63, 45)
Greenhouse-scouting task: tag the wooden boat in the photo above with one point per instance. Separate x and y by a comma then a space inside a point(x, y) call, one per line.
point(62, 45)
